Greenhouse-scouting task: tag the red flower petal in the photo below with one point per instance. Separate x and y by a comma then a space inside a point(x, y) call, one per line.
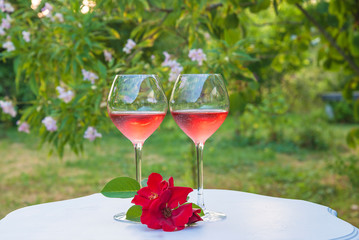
point(163, 186)
point(170, 181)
point(145, 192)
point(165, 197)
point(154, 181)
point(181, 215)
point(195, 217)
point(168, 226)
point(179, 196)
point(141, 201)
point(147, 218)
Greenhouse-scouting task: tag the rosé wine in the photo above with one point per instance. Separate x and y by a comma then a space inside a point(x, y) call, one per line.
point(137, 126)
point(199, 124)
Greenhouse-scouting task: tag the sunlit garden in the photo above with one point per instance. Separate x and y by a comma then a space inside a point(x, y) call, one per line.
point(291, 69)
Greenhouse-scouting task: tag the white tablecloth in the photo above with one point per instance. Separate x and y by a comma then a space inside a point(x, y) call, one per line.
point(249, 216)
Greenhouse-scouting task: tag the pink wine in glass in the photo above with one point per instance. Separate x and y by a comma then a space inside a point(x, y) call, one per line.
point(199, 124)
point(137, 126)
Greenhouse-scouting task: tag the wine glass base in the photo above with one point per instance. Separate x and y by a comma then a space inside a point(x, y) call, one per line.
point(121, 217)
point(211, 216)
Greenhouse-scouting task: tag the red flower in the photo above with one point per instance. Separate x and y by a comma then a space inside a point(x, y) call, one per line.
point(166, 211)
point(155, 187)
point(164, 205)
point(195, 216)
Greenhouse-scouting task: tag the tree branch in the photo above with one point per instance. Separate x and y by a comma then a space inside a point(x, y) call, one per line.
point(275, 23)
point(169, 10)
point(210, 7)
point(330, 39)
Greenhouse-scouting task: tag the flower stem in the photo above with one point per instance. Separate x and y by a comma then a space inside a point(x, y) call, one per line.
point(138, 157)
point(200, 198)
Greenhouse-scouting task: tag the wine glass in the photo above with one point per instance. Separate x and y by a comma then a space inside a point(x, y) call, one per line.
point(199, 104)
point(136, 105)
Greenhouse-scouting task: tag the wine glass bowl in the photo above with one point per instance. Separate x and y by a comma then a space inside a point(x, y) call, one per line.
point(136, 105)
point(199, 104)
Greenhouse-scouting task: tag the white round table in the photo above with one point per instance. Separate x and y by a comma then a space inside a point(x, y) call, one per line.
point(249, 216)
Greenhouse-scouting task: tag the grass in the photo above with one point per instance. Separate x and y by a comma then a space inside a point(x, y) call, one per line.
point(29, 176)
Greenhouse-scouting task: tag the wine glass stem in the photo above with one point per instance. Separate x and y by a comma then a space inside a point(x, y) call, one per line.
point(200, 199)
point(138, 156)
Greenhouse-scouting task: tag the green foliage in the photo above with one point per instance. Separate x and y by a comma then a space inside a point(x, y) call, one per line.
point(347, 166)
point(343, 111)
point(121, 187)
point(254, 44)
point(272, 124)
point(59, 51)
point(270, 114)
point(308, 134)
point(134, 213)
point(352, 138)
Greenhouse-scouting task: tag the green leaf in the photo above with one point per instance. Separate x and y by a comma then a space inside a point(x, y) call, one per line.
point(260, 5)
point(114, 33)
point(294, 1)
point(134, 213)
point(356, 110)
point(353, 138)
point(275, 5)
point(195, 206)
point(121, 187)
point(231, 21)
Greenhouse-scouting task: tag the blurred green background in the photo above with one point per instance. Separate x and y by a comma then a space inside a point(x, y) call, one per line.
point(285, 135)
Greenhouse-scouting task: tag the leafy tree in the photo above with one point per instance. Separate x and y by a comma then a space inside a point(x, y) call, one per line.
point(65, 54)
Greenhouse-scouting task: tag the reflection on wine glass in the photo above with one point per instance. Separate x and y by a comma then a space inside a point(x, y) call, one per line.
point(199, 104)
point(136, 105)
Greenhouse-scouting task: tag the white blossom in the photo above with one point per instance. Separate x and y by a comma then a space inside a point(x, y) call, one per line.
point(197, 55)
point(23, 127)
point(87, 5)
point(108, 55)
point(9, 46)
point(183, 82)
point(175, 67)
point(89, 76)
point(293, 37)
point(91, 134)
point(50, 124)
point(47, 10)
point(9, 8)
point(129, 45)
point(207, 36)
point(8, 108)
point(315, 41)
point(167, 57)
point(47, 6)
point(26, 36)
point(35, 4)
point(58, 17)
point(103, 104)
point(174, 73)
point(6, 7)
point(2, 31)
point(65, 96)
point(6, 22)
